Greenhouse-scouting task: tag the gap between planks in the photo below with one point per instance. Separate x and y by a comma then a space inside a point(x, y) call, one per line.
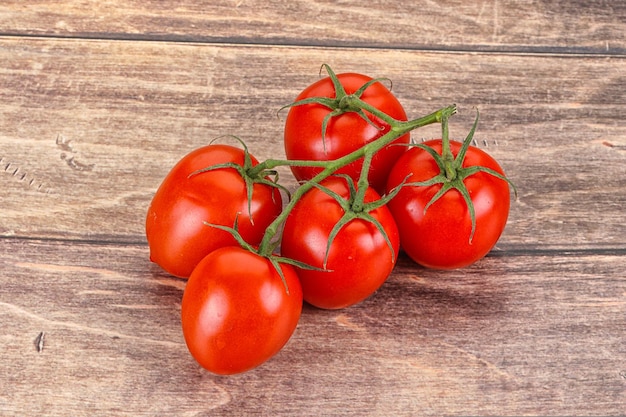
point(520, 50)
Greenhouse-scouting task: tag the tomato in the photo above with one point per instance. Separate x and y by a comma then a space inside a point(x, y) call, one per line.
point(175, 228)
point(236, 311)
point(359, 259)
point(305, 138)
point(442, 237)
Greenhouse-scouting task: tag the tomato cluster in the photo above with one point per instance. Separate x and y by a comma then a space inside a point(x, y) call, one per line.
point(250, 260)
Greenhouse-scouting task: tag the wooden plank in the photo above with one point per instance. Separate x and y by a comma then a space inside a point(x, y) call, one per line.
point(580, 26)
point(89, 128)
point(513, 335)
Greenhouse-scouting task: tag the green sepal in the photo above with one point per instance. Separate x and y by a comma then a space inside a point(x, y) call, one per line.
point(244, 171)
point(274, 259)
point(340, 104)
point(456, 168)
point(350, 215)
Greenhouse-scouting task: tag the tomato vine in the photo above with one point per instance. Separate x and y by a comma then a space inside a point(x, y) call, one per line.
point(232, 269)
point(399, 128)
point(342, 103)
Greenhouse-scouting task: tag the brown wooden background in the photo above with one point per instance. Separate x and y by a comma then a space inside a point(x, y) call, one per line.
point(99, 99)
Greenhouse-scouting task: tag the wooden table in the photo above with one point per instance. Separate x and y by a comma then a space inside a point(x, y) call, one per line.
point(99, 99)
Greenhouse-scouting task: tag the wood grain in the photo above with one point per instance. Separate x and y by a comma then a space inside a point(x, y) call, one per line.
point(540, 335)
point(99, 99)
point(579, 26)
point(90, 128)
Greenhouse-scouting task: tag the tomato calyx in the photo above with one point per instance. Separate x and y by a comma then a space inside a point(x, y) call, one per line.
point(274, 259)
point(452, 172)
point(355, 209)
point(249, 174)
point(345, 103)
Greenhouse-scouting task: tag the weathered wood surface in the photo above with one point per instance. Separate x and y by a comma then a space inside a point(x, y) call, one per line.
point(580, 26)
point(89, 127)
point(77, 114)
point(512, 335)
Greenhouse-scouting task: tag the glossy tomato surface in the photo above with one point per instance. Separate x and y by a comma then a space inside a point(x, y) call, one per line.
point(344, 133)
point(440, 238)
point(236, 312)
point(359, 260)
point(175, 229)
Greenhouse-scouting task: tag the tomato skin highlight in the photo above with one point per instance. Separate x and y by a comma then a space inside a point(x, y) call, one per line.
point(360, 259)
point(175, 229)
point(236, 313)
point(344, 133)
point(440, 238)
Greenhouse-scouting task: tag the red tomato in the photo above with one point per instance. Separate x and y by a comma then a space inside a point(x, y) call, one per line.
point(359, 260)
point(440, 238)
point(236, 312)
point(344, 133)
point(175, 229)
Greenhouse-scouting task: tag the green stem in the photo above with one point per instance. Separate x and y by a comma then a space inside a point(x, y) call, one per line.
point(359, 199)
point(270, 164)
point(356, 103)
point(446, 152)
point(330, 167)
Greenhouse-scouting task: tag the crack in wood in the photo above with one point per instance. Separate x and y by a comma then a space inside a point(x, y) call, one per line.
point(39, 341)
point(75, 165)
point(66, 145)
point(612, 145)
